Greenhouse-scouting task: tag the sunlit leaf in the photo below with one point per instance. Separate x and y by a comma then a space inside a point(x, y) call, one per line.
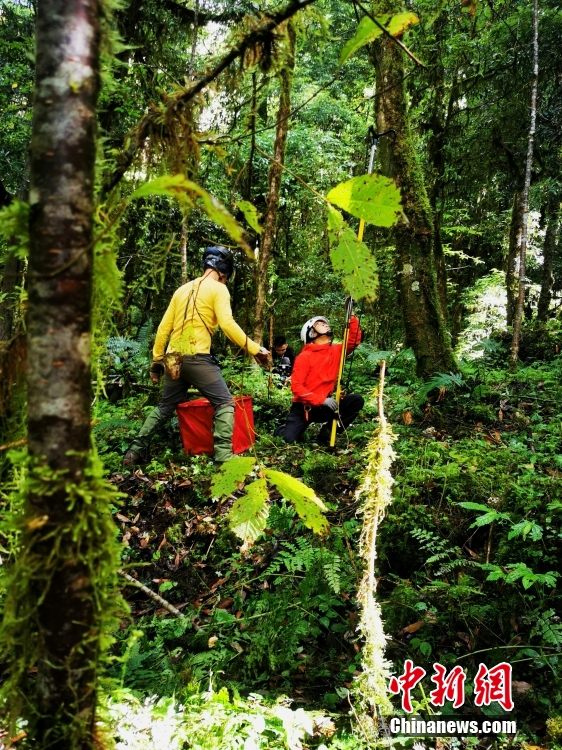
point(370, 197)
point(474, 506)
point(190, 193)
point(251, 215)
point(336, 223)
point(169, 184)
point(308, 506)
point(248, 515)
point(526, 528)
point(490, 517)
point(230, 474)
point(351, 259)
point(354, 262)
point(221, 216)
point(367, 31)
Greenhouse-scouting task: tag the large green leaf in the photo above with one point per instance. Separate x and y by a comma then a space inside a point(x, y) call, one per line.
point(308, 506)
point(175, 185)
point(251, 215)
point(351, 259)
point(230, 474)
point(367, 31)
point(221, 216)
point(336, 224)
point(370, 197)
point(190, 193)
point(248, 515)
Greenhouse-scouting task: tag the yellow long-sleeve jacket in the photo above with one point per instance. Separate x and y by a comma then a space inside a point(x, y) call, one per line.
point(193, 315)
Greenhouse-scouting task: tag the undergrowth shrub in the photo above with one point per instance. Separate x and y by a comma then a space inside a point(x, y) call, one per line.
point(474, 566)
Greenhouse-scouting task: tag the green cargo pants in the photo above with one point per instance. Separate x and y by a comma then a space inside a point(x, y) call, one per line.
point(201, 372)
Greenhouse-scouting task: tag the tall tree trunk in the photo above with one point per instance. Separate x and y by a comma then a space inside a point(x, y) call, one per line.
point(274, 182)
point(249, 181)
point(415, 240)
point(525, 197)
point(62, 623)
point(549, 253)
point(440, 117)
point(513, 253)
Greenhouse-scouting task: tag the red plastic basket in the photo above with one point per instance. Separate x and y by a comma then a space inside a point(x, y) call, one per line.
point(196, 425)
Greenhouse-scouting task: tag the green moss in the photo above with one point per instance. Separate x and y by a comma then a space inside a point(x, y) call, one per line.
point(40, 549)
point(554, 728)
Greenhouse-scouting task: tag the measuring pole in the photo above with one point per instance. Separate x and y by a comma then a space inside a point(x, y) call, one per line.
point(374, 138)
point(348, 311)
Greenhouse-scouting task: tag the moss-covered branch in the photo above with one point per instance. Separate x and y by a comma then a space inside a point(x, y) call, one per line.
point(136, 138)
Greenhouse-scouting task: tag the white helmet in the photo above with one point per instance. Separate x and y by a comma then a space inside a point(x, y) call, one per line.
point(307, 331)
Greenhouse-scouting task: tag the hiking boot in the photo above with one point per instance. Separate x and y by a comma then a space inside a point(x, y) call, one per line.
point(222, 433)
point(131, 458)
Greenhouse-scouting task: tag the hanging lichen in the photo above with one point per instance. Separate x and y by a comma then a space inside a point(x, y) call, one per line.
point(375, 495)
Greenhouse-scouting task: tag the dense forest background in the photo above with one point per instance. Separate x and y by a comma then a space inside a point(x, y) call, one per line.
point(188, 123)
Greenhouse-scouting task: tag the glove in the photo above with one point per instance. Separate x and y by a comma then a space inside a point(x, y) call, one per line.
point(263, 357)
point(331, 403)
point(156, 371)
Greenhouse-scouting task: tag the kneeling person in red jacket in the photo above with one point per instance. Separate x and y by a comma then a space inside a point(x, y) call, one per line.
point(314, 379)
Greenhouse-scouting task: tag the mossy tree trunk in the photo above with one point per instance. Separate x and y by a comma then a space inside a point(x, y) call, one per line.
point(550, 246)
point(513, 250)
point(520, 299)
point(444, 99)
point(274, 183)
point(61, 696)
point(418, 285)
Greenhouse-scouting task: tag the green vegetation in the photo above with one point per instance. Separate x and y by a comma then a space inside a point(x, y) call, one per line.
point(296, 579)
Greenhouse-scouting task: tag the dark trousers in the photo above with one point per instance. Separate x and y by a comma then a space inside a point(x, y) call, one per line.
point(300, 417)
point(200, 371)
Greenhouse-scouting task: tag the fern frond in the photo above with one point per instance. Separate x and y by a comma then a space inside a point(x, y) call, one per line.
point(452, 566)
point(332, 572)
point(248, 516)
point(439, 557)
point(442, 380)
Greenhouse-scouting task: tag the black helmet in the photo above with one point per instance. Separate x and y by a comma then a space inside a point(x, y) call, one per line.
point(220, 259)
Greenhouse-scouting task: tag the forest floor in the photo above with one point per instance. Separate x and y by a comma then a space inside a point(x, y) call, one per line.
point(469, 561)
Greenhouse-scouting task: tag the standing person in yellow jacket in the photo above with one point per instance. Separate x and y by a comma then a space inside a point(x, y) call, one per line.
point(182, 353)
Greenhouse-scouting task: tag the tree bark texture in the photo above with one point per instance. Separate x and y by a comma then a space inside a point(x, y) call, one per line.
point(136, 138)
point(443, 103)
point(274, 183)
point(513, 252)
point(59, 388)
point(518, 317)
point(551, 242)
point(415, 239)
point(248, 183)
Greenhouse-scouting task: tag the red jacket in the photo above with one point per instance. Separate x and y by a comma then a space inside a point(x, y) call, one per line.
point(316, 368)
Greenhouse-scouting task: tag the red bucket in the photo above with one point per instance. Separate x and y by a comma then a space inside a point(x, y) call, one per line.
point(196, 425)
